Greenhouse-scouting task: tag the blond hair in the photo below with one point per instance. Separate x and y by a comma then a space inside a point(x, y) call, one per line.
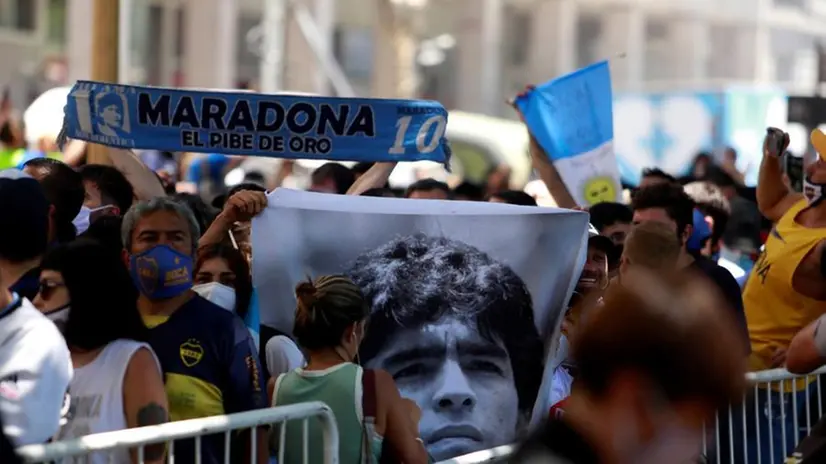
point(652, 245)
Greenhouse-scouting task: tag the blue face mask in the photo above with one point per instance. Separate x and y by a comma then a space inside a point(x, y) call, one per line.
point(161, 272)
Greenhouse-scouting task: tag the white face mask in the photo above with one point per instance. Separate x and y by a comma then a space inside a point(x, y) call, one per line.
point(812, 192)
point(84, 217)
point(81, 221)
point(217, 293)
point(59, 316)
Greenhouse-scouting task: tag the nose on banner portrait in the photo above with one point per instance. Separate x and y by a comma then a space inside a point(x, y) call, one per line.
point(466, 299)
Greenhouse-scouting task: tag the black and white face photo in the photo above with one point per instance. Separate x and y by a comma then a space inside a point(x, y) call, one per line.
point(456, 330)
point(466, 299)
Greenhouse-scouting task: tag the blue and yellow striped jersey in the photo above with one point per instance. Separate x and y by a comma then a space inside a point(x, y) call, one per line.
point(210, 366)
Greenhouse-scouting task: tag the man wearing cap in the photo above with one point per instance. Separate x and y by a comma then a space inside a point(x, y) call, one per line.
point(35, 367)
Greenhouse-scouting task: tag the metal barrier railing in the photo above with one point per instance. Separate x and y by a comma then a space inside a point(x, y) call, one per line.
point(500, 453)
point(196, 428)
point(778, 411)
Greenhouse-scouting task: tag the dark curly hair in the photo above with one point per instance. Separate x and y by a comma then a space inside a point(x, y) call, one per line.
point(415, 280)
point(670, 197)
point(63, 187)
point(608, 213)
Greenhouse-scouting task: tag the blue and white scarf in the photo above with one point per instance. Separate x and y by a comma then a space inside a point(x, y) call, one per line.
point(241, 123)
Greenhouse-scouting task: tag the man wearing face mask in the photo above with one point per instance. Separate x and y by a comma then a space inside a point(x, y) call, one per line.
point(107, 191)
point(207, 355)
point(785, 290)
point(641, 395)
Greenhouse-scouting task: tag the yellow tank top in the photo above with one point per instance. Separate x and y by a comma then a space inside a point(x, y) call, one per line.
point(775, 312)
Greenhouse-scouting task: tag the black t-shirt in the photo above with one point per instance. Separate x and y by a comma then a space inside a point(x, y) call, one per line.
point(729, 288)
point(556, 443)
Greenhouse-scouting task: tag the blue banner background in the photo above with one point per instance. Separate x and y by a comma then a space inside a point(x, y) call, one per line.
point(337, 129)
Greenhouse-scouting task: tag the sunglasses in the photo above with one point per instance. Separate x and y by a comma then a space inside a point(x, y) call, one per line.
point(47, 288)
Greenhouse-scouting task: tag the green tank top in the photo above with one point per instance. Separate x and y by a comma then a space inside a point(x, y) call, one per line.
point(340, 388)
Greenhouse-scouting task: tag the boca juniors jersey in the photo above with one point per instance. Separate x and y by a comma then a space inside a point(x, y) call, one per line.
point(210, 367)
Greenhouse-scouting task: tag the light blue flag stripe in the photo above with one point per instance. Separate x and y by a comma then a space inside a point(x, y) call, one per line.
point(242, 123)
point(572, 114)
point(571, 118)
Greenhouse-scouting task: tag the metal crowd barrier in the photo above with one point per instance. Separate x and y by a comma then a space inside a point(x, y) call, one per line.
point(195, 428)
point(742, 434)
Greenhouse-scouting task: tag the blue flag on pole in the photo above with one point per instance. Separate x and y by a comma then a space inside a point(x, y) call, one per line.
point(242, 123)
point(571, 118)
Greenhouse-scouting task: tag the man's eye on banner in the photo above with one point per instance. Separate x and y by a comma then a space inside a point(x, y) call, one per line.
point(245, 123)
point(571, 118)
point(463, 304)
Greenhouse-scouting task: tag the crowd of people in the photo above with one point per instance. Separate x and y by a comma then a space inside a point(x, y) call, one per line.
point(127, 301)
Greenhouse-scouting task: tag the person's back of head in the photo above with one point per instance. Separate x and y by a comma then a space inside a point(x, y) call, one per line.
point(106, 186)
point(24, 220)
point(652, 246)
point(252, 186)
point(638, 368)
point(63, 187)
point(428, 189)
point(658, 328)
point(102, 296)
point(328, 312)
point(106, 231)
point(608, 213)
point(720, 178)
point(204, 213)
point(723, 180)
point(219, 201)
point(332, 178)
point(654, 176)
point(513, 197)
point(379, 192)
point(469, 191)
point(359, 169)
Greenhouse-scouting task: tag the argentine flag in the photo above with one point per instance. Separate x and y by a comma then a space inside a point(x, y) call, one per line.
point(571, 117)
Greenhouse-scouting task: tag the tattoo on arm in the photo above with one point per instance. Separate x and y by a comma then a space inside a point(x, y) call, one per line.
point(152, 414)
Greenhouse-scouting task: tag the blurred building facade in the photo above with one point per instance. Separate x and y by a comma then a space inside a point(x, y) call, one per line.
point(469, 54)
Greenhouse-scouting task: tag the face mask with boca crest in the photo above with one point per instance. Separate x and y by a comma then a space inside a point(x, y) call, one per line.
point(161, 272)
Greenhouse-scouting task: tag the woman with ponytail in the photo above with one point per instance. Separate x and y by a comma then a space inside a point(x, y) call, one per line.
point(375, 423)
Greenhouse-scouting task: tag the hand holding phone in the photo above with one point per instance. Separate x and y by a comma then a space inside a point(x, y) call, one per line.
point(776, 142)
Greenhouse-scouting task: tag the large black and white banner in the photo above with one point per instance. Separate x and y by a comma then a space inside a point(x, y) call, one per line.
point(466, 298)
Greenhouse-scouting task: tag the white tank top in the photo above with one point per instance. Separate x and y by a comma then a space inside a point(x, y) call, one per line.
point(96, 393)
